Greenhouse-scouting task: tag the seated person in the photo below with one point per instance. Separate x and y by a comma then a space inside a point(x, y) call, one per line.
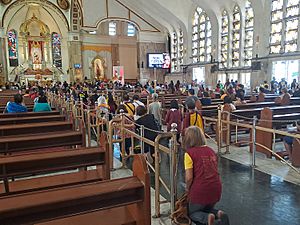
point(16, 106)
point(203, 183)
point(223, 94)
point(206, 100)
point(297, 92)
point(240, 101)
point(42, 104)
point(285, 97)
point(228, 101)
point(288, 141)
point(261, 95)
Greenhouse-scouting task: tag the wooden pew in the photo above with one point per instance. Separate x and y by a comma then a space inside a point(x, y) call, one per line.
point(114, 202)
point(268, 120)
point(49, 163)
point(5, 99)
point(32, 119)
point(278, 110)
point(12, 144)
point(296, 153)
point(29, 114)
point(35, 128)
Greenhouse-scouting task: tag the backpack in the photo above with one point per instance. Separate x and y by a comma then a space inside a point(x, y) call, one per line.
point(196, 120)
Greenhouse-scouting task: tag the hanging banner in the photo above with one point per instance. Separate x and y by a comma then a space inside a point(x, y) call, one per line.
point(118, 74)
point(12, 48)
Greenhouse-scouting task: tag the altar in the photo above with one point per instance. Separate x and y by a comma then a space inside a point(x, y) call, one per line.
point(35, 50)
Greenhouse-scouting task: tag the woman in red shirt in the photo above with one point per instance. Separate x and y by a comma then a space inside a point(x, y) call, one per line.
point(174, 116)
point(203, 183)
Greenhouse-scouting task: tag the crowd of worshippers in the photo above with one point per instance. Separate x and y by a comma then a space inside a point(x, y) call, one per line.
point(203, 183)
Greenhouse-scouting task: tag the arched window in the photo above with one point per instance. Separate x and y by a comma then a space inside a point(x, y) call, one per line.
point(181, 47)
point(112, 28)
point(236, 37)
point(224, 40)
point(56, 50)
point(174, 51)
point(249, 23)
point(130, 30)
point(12, 40)
point(284, 26)
point(201, 40)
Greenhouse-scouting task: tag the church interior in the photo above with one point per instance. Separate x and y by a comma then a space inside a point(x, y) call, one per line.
point(139, 112)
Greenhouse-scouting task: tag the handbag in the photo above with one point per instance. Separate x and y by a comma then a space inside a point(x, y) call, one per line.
point(180, 216)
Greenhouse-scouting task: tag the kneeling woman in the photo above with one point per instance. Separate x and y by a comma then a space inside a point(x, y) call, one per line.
point(203, 183)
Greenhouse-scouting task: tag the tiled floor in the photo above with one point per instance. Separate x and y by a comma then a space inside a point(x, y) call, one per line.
point(250, 197)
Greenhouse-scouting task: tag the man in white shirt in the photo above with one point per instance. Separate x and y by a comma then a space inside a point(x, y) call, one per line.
point(136, 101)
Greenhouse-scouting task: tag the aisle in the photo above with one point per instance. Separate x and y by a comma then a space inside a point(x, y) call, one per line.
point(250, 197)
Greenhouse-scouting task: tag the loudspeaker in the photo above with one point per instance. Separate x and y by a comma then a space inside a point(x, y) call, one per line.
point(256, 65)
point(214, 69)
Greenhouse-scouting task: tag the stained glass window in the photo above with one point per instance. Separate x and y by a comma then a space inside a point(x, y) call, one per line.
point(174, 51)
point(130, 30)
point(236, 37)
point(284, 26)
point(12, 41)
point(56, 50)
point(224, 39)
point(201, 37)
point(249, 23)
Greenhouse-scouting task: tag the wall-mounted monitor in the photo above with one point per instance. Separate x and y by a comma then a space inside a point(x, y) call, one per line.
point(77, 66)
point(159, 60)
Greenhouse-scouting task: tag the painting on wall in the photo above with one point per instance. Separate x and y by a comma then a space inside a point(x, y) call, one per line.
point(56, 50)
point(12, 48)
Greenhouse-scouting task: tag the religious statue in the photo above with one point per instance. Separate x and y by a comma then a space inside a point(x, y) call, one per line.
point(36, 52)
point(63, 4)
point(98, 69)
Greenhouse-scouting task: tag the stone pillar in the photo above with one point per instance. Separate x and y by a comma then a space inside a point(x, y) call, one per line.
point(3, 67)
point(75, 57)
point(3, 61)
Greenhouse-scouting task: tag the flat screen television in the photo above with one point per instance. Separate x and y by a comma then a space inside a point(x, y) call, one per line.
point(159, 60)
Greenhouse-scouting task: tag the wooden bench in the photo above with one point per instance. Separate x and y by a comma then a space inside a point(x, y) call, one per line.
point(32, 119)
point(13, 144)
point(268, 120)
point(296, 153)
point(52, 162)
point(278, 110)
point(29, 114)
point(35, 128)
point(5, 99)
point(114, 202)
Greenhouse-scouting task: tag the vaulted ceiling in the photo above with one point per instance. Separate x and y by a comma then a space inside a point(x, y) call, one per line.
point(173, 14)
